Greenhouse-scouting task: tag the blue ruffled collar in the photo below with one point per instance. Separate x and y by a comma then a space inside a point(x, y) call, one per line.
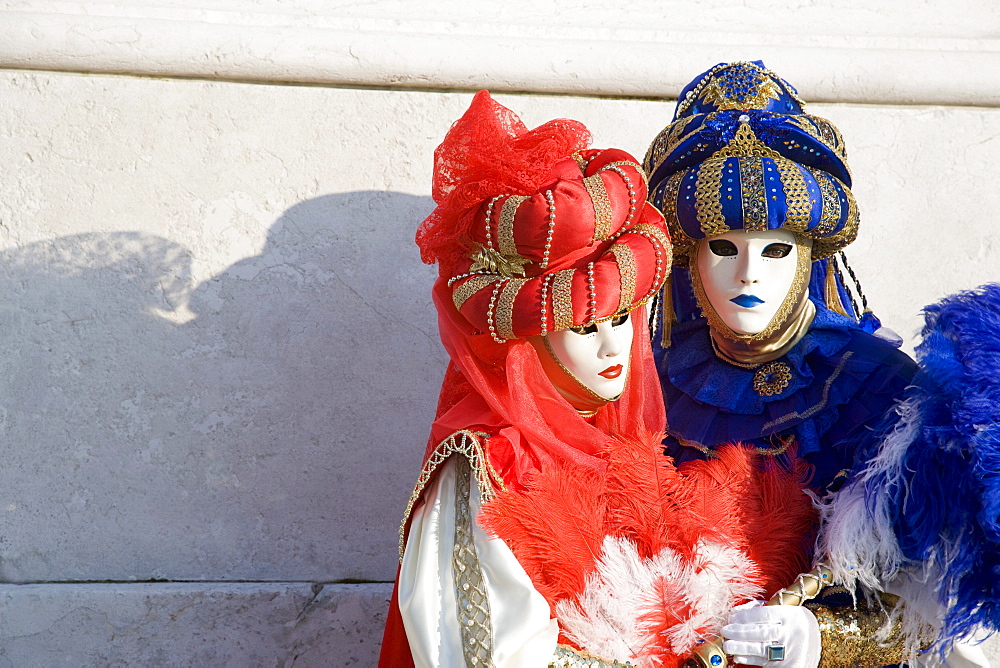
point(842, 380)
point(694, 369)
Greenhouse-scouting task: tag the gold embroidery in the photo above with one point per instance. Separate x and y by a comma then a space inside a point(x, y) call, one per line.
point(708, 198)
point(602, 206)
point(823, 131)
point(626, 269)
point(772, 378)
point(831, 204)
point(463, 292)
point(745, 144)
point(752, 191)
point(562, 300)
point(742, 66)
point(473, 603)
point(723, 98)
point(798, 208)
point(668, 139)
point(710, 453)
point(469, 444)
point(505, 308)
point(847, 234)
point(505, 226)
point(668, 206)
point(822, 402)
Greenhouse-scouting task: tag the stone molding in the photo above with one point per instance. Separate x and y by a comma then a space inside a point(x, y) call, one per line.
point(459, 46)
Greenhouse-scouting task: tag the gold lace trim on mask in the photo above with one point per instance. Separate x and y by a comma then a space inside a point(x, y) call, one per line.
point(803, 261)
point(602, 206)
point(593, 400)
point(472, 446)
point(752, 354)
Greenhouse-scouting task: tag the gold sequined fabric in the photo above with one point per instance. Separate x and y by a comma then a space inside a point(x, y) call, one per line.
point(850, 636)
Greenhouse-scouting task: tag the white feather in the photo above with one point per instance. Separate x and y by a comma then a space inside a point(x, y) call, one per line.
point(606, 621)
point(859, 545)
point(857, 539)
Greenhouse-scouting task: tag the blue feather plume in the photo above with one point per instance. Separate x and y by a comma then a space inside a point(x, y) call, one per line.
point(948, 511)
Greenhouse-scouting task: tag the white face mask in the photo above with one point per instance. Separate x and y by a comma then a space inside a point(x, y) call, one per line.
point(747, 275)
point(596, 355)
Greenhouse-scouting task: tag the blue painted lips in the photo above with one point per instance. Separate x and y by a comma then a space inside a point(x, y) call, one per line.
point(747, 301)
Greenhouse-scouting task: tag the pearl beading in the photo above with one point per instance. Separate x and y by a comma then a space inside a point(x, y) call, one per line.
point(551, 228)
point(491, 311)
point(489, 219)
point(544, 310)
point(591, 294)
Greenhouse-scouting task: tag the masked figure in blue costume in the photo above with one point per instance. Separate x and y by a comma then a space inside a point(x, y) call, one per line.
point(757, 196)
point(760, 339)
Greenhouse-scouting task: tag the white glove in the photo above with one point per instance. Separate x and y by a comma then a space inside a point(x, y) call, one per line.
point(778, 636)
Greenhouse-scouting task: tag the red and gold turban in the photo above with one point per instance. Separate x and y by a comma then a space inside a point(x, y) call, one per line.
point(533, 232)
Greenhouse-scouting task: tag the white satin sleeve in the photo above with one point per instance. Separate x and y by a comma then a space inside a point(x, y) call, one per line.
point(523, 635)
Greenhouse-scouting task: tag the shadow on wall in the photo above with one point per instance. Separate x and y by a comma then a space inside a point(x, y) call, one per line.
point(274, 435)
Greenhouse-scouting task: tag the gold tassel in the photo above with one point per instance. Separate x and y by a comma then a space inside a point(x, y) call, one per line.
point(667, 310)
point(830, 292)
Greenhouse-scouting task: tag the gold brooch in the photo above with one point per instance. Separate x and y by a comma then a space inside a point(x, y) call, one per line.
point(772, 379)
point(490, 260)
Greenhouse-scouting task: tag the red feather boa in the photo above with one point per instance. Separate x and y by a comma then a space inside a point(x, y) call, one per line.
point(556, 527)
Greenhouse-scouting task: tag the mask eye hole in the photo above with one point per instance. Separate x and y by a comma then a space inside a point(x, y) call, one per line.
point(620, 319)
point(583, 330)
point(776, 250)
point(723, 247)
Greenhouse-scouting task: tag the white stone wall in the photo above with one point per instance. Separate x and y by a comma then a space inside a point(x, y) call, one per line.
point(220, 357)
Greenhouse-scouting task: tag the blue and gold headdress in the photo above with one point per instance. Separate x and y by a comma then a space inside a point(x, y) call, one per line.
point(741, 153)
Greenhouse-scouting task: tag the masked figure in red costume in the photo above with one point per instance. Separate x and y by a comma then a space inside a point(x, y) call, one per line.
point(546, 526)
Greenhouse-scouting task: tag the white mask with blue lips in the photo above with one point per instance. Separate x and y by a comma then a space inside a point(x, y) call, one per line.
point(747, 277)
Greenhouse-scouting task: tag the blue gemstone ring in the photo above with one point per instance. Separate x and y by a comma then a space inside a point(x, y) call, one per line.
point(775, 652)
